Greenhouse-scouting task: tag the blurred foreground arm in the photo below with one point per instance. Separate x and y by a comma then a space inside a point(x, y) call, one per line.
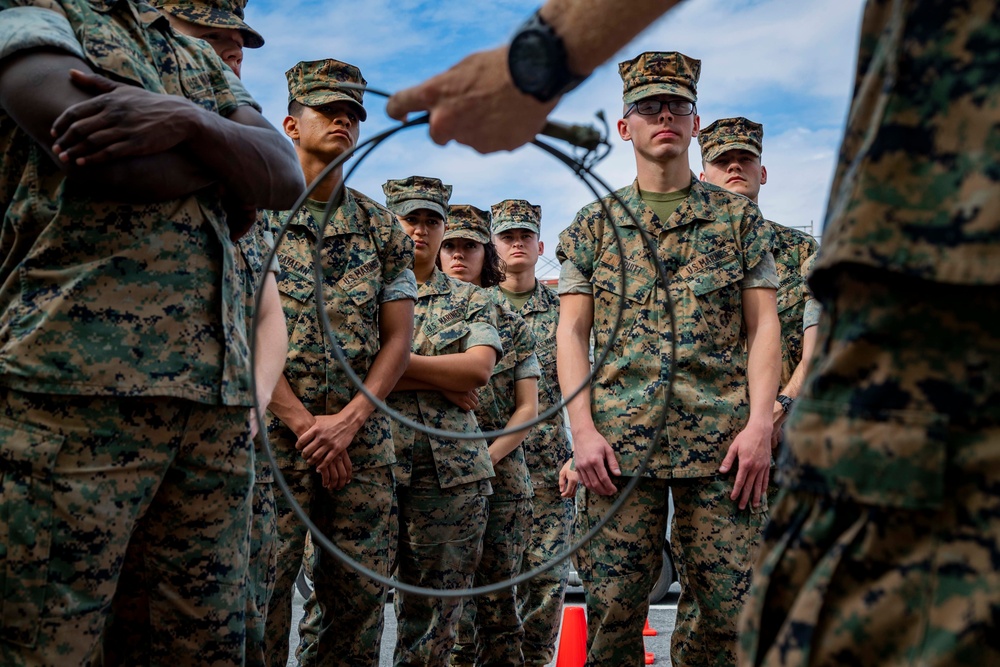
point(476, 103)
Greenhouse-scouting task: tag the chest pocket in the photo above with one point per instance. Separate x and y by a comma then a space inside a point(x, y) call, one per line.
point(362, 282)
point(296, 280)
point(608, 276)
point(719, 297)
point(440, 338)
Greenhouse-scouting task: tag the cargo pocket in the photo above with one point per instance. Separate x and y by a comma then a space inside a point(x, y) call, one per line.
point(27, 457)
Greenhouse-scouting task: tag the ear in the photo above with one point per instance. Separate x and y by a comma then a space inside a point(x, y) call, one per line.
point(291, 127)
point(763, 174)
point(541, 248)
point(701, 176)
point(623, 130)
point(696, 126)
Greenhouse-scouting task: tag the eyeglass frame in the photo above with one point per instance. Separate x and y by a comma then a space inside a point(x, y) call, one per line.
point(662, 103)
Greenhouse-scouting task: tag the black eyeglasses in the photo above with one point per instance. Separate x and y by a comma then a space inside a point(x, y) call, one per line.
point(653, 107)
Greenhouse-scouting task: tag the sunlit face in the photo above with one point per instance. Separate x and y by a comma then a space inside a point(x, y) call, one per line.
point(462, 259)
point(661, 136)
point(324, 131)
point(738, 171)
point(426, 228)
point(519, 249)
point(226, 42)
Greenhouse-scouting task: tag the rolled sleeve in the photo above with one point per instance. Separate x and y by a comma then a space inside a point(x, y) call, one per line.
point(572, 280)
point(482, 333)
point(23, 28)
point(528, 368)
point(240, 92)
point(763, 274)
point(811, 313)
point(403, 287)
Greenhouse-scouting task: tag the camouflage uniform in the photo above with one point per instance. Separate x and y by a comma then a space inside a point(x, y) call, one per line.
point(366, 263)
point(490, 631)
point(546, 449)
point(884, 544)
point(131, 376)
point(714, 246)
point(442, 483)
point(792, 248)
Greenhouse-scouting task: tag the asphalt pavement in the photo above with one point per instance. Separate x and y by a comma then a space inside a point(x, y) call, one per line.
point(661, 618)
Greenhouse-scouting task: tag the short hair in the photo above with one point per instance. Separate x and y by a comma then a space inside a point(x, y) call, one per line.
point(295, 108)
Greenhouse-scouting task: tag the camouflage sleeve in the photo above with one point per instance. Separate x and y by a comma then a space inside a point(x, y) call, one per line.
point(763, 274)
point(240, 92)
point(578, 244)
point(571, 281)
point(398, 281)
point(529, 368)
point(267, 241)
point(24, 28)
point(810, 316)
point(403, 287)
point(481, 315)
point(524, 350)
point(757, 238)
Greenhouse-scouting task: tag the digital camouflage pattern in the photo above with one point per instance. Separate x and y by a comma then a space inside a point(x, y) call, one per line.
point(546, 449)
point(516, 214)
point(366, 262)
point(916, 189)
point(709, 247)
point(314, 83)
point(730, 134)
point(717, 543)
point(496, 399)
point(883, 550)
point(490, 631)
point(174, 316)
point(794, 253)
point(213, 14)
point(659, 73)
point(450, 317)
point(468, 222)
point(63, 457)
point(405, 195)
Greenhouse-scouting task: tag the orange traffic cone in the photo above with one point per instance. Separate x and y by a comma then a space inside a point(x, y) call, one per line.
point(648, 631)
point(573, 638)
point(650, 657)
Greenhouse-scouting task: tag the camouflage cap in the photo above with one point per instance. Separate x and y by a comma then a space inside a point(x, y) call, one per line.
point(314, 83)
point(468, 222)
point(660, 73)
point(516, 214)
point(729, 134)
point(213, 14)
point(405, 195)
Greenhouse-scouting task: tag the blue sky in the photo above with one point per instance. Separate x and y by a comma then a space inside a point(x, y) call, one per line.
point(784, 63)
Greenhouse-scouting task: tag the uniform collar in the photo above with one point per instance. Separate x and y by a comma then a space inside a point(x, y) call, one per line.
point(538, 302)
point(695, 207)
point(344, 218)
point(439, 283)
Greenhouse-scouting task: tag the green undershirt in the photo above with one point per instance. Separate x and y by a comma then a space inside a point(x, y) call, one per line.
point(518, 299)
point(664, 203)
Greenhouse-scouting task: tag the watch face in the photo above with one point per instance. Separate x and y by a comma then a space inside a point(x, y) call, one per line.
point(531, 62)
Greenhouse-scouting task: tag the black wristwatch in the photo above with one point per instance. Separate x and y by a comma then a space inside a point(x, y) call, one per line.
point(537, 61)
point(786, 403)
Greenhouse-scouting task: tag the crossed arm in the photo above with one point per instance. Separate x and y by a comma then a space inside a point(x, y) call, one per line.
point(124, 143)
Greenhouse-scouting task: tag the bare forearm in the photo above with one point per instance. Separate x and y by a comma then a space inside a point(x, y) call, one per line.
point(593, 30)
point(271, 343)
point(573, 367)
point(382, 378)
point(763, 367)
point(526, 409)
point(449, 372)
point(287, 407)
point(794, 386)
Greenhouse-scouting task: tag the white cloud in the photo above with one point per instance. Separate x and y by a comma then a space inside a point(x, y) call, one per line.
point(784, 63)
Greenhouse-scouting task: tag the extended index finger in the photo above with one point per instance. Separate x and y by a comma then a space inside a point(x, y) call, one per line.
point(416, 98)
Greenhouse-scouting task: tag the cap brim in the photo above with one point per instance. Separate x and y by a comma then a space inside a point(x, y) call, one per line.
point(466, 234)
point(212, 17)
point(505, 225)
point(650, 89)
point(408, 206)
point(713, 154)
point(317, 98)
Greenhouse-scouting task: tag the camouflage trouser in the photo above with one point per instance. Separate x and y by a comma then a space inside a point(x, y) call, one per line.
point(440, 544)
point(361, 520)
point(540, 600)
point(489, 631)
point(261, 573)
point(86, 478)
point(884, 550)
point(714, 543)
